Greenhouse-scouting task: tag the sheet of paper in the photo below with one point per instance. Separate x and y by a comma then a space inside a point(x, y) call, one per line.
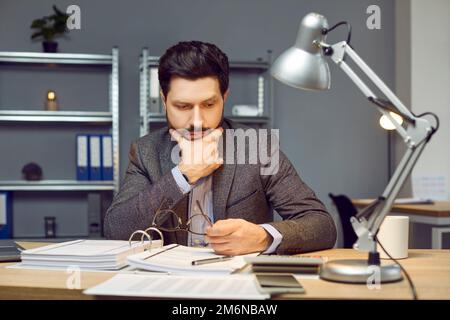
point(433, 187)
point(126, 269)
point(171, 286)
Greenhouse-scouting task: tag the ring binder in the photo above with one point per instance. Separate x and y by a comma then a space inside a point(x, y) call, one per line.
point(157, 229)
point(144, 233)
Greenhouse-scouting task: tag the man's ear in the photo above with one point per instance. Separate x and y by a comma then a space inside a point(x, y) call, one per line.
point(163, 99)
point(225, 95)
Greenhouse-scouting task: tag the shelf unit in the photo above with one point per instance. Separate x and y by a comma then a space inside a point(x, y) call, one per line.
point(110, 117)
point(56, 116)
point(98, 192)
point(56, 185)
point(259, 68)
point(59, 58)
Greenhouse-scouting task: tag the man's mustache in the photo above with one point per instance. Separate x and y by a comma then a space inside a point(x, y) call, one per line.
point(197, 129)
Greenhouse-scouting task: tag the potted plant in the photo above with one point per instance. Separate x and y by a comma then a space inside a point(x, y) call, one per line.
point(49, 27)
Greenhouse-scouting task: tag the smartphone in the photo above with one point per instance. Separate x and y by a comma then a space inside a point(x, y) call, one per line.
point(277, 283)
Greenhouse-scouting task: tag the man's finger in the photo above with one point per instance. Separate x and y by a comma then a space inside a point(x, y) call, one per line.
point(176, 135)
point(219, 161)
point(217, 240)
point(209, 148)
point(214, 135)
point(222, 228)
point(222, 248)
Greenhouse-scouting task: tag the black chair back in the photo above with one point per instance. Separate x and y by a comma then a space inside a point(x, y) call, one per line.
point(346, 210)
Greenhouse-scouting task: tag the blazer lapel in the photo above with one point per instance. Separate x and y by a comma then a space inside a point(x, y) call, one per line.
point(222, 180)
point(165, 160)
point(166, 165)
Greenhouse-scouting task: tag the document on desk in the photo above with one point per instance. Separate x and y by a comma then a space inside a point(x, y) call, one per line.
point(87, 254)
point(178, 259)
point(178, 286)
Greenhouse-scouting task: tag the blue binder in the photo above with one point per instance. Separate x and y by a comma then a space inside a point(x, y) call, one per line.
point(82, 157)
point(6, 223)
point(95, 157)
point(107, 157)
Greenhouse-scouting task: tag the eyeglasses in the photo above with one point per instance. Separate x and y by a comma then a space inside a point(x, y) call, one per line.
point(167, 220)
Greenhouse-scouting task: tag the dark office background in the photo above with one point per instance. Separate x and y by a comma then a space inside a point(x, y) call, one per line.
point(332, 138)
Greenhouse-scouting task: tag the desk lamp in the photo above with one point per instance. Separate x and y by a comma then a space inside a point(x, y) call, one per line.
point(305, 66)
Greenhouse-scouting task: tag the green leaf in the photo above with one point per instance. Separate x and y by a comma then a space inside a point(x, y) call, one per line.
point(38, 23)
point(36, 34)
point(50, 25)
point(57, 11)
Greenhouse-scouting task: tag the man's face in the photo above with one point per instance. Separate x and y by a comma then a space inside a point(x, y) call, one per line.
point(194, 105)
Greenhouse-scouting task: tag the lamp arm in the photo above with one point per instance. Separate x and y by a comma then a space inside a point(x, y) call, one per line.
point(342, 49)
point(416, 136)
point(393, 188)
point(367, 228)
point(338, 52)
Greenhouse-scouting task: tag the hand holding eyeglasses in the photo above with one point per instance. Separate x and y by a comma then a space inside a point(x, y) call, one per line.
point(237, 236)
point(228, 237)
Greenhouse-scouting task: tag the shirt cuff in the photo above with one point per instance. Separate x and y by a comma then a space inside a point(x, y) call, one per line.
point(276, 235)
point(184, 186)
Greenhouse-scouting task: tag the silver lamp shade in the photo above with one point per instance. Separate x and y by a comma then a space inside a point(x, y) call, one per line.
point(304, 66)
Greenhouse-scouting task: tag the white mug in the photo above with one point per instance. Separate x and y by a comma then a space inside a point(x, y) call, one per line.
point(394, 236)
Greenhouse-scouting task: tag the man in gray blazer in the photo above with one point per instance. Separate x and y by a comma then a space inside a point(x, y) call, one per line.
point(234, 200)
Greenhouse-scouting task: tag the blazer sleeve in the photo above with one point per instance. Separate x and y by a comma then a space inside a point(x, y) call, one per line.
point(134, 205)
point(306, 225)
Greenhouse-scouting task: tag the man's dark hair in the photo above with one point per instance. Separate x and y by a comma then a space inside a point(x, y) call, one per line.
point(193, 60)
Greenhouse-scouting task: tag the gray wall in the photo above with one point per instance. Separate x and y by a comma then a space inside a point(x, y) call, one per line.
point(332, 138)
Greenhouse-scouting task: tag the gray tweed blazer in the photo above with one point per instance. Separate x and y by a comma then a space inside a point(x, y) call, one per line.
point(239, 191)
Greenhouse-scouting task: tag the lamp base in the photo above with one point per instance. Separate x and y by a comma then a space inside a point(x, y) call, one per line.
point(359, 271)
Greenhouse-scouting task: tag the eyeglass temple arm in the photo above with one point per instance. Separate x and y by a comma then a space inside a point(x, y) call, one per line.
point(203, 213)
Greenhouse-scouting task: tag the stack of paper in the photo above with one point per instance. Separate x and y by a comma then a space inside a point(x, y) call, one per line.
point(86, 254)
point(178, 259)
point(170, 286)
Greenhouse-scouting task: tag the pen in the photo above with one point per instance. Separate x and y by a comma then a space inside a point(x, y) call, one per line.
point(211, 260)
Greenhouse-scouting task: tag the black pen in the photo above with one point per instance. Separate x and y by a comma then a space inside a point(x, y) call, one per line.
point(211, 260)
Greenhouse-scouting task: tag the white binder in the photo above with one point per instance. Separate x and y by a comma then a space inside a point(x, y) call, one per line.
point(82, 157)
point(95, 163)
point(107, 157)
